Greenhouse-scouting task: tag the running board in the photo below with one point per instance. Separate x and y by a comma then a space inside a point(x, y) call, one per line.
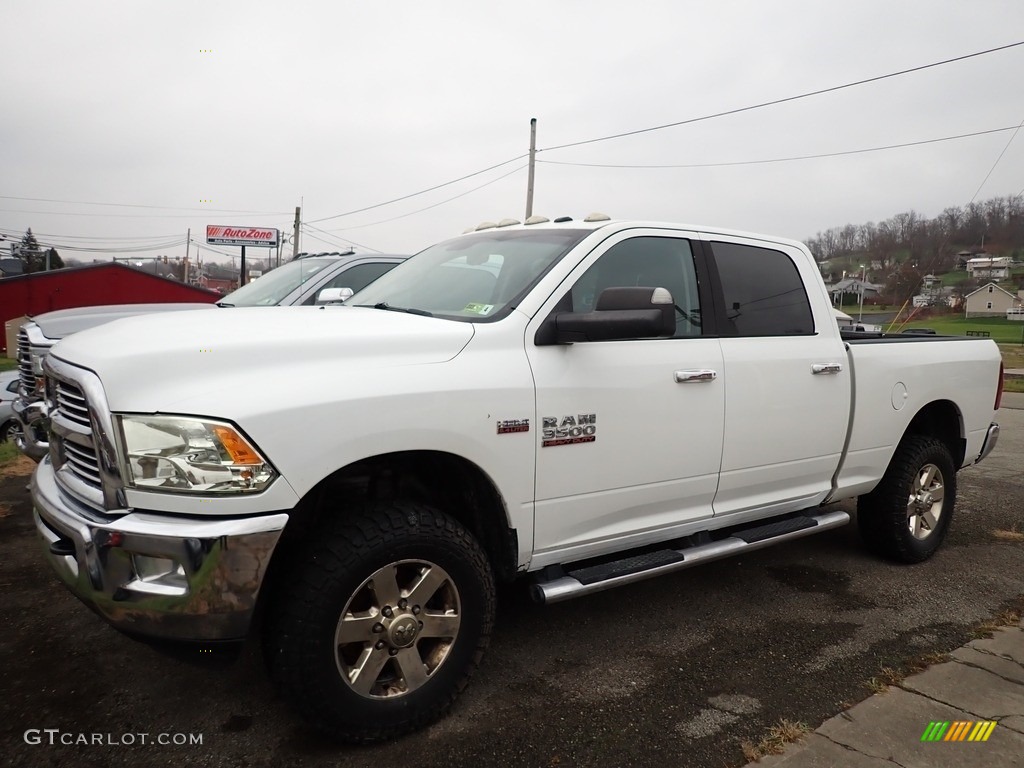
point(586, 580)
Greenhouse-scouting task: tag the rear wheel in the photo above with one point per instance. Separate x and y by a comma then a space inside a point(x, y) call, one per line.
point(907, 516)
point(383, 624)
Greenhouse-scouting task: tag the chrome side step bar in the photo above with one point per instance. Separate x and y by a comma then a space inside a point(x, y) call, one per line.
point(586, 580)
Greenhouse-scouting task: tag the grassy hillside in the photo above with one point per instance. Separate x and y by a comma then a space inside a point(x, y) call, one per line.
point(1000, 329)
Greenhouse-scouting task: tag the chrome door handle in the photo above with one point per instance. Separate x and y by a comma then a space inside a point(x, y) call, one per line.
point(695, 376)
point(826, 368)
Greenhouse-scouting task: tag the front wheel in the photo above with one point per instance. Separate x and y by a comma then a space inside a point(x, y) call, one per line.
point(907, 516)
point(9, 431)
point(383, 624)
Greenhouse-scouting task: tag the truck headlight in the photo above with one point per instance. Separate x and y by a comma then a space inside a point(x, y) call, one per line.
point(178, 453)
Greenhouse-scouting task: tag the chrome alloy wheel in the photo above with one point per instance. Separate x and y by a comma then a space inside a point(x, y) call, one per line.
point(924, 508)
point(397, 629)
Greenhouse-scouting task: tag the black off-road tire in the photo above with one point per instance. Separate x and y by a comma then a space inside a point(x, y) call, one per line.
point(301, 646)
point(8, 431)
point(884, 516)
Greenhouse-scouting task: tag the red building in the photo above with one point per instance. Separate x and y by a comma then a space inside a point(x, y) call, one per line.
point(90, 286)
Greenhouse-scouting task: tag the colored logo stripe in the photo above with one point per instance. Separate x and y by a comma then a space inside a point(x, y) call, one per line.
point(958, 730)
point(983, 731)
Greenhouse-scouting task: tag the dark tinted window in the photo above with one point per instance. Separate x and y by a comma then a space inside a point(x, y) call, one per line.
point(764, 295)
point(650, 262)
point(356, 278)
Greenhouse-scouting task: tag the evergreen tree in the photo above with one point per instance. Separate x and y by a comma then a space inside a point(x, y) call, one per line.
point(33, 256)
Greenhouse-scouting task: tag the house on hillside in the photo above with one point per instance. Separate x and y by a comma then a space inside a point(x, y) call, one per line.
point(989, 301)
point(990, 267)
point(853, 285)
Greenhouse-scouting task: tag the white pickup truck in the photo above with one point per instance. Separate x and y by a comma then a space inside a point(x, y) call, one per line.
point(579, 404)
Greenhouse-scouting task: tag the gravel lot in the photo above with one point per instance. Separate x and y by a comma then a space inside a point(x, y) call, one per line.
point(676, 671)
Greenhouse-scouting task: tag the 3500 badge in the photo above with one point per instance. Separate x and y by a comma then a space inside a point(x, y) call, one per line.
point(568, 430)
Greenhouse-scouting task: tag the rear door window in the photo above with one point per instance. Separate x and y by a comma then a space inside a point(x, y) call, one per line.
point(762, 291)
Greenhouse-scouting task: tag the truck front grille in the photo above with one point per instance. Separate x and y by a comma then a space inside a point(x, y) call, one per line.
point(26, 377)
point(81, 450)
point(71, 403)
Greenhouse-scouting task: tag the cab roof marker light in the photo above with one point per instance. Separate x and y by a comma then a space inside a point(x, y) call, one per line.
point(598, 217)
point(485, 225)
point(537, 220)
point(509, 222)
point(563, 219)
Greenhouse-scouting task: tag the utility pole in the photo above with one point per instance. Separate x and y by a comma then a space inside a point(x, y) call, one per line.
point(295, 235)
point(863, 276)
point(533, 156)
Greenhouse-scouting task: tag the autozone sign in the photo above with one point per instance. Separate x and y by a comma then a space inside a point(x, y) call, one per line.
point(258, 236)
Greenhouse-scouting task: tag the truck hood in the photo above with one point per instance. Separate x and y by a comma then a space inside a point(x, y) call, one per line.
point(64, 322)
point(152, 362)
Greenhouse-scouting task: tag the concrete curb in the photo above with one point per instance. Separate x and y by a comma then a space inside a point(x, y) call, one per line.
point(983, 682)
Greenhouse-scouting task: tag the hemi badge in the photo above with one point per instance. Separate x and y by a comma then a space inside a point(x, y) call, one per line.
point(507, 426)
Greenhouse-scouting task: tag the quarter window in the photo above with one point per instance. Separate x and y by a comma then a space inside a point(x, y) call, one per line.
point(763, 292)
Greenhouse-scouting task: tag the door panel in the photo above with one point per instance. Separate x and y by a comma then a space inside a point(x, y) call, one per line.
point(787, 396)
point(640, 447)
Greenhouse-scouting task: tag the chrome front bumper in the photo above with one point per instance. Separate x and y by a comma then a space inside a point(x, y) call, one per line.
point(157, 575)
point(33, 417)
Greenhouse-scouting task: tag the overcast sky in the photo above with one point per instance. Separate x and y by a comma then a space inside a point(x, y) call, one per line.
point(257, 106)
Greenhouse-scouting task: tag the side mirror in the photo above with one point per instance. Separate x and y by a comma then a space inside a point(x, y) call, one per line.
point(334, 295)
point(620, 313)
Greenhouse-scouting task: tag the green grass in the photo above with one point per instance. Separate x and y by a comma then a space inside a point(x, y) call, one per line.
point(1000, 329)
point(8, 452)
point(1013, 385)
point(869, 309)
point(8, 363)
point(955, 277)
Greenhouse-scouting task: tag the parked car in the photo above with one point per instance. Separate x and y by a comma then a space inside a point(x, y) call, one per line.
point(575, 404)
point(322, 278)
point(8, 393)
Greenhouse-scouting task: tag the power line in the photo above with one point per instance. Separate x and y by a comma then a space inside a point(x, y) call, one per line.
point(134, 249)
point(788, 159)
point(435, 205)
point(134, 205)
point(140, 239)
point(1008, 143)
point(782, 100)
point(307, 227)
point(119, 215)
point(421, 192)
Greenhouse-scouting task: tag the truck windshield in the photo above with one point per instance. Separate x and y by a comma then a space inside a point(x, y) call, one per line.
point(273, 287)
point(472, 278)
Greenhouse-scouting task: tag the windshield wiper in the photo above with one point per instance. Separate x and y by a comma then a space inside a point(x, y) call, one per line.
point(224, 304)
point(389, 308)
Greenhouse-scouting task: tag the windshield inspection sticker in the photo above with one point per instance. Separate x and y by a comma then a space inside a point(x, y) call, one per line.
point(508, 426)
point(568, 430)
point(478, 309)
